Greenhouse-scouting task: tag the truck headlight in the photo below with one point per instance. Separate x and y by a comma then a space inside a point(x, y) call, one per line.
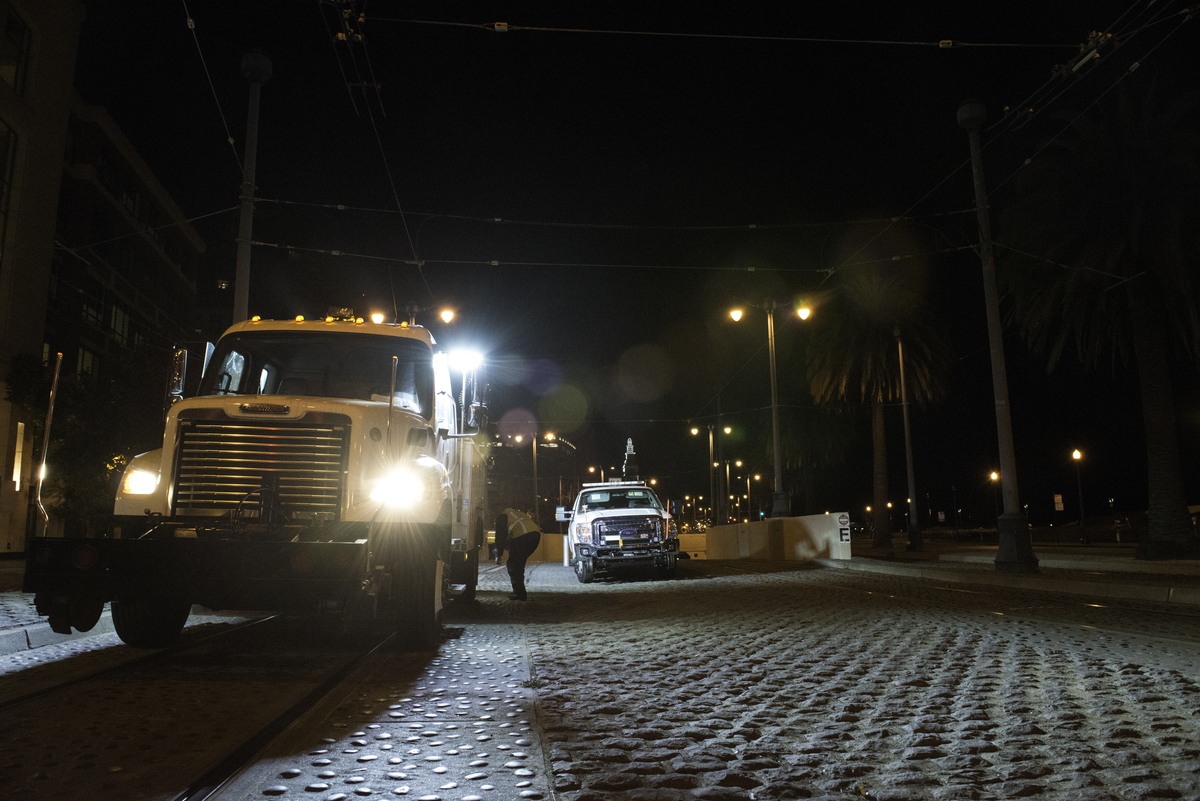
point(401, 488)
point(139, 482)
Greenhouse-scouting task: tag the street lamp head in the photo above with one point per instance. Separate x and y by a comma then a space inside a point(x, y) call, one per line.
point(728, 430)
point(447, 315)
point(736, 314)
point(519, 438)
point(1076, 455)
point(971, 114)
point(549, 436)
point(695, 431)
point(803, 312)
point(994, 476)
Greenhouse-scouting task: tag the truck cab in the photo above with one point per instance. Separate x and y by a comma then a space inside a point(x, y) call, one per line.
point(620, 526)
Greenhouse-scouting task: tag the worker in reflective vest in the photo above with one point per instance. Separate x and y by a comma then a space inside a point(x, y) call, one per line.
point(517, 532)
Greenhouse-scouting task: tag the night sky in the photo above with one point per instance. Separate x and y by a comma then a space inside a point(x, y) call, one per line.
point(631, 188)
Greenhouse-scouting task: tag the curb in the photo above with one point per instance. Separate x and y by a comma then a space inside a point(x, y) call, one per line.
point(39, 635)
point(1135, 592)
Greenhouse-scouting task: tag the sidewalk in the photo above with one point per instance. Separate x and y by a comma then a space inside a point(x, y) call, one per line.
point(1101, 570)
point(1097, 571)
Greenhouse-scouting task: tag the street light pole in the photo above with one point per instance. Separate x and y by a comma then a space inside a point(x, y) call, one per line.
point(1015, 551)
point(257, 69)
point(779, 505)
point(1078, 457)
point(914, 527)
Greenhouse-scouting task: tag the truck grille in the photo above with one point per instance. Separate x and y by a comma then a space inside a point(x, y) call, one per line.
point(631, 530)
point(221, 464)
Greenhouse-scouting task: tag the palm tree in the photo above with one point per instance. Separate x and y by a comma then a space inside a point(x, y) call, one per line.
point(853, 355)
point(1102, 255)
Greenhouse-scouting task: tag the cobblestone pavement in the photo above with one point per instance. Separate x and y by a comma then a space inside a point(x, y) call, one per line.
point(818, 683)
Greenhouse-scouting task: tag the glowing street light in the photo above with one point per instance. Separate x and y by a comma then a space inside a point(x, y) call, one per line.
point(779, 506)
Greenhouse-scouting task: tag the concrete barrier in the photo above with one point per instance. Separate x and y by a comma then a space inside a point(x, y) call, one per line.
point(792, 539)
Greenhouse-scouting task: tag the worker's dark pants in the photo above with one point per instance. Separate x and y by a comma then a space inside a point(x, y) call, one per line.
point(519, 551)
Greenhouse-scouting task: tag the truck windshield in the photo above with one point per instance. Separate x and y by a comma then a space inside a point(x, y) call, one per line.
point(621, 499)
point(322, 364)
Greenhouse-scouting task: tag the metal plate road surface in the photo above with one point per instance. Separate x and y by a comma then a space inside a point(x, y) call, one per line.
point(456, 725)
point(737, 681)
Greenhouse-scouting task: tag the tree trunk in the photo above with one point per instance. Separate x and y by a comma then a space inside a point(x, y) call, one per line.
point(881, 515)
point(1169, 536)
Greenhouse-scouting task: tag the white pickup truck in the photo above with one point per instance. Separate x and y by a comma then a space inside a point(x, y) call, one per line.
point(620, 525)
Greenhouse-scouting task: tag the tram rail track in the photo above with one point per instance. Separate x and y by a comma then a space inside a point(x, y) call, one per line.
point(178, 722)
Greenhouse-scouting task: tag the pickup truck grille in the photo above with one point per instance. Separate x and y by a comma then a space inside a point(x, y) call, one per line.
point(221, 464)
point(631, 530)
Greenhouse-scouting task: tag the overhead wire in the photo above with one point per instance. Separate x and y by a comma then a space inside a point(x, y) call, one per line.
point(1062, 130)
point(504, 27)
point(1067, 75)
point(391, 182)
point(191, 23)
point(618, 226)
point(992, 141)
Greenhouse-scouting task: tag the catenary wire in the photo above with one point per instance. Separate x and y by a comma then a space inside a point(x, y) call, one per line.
point(503, 27)
point(192, 27)
point(616, 226)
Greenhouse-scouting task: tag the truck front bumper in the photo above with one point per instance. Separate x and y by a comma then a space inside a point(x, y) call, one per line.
point(661, 555)
point(219, 574)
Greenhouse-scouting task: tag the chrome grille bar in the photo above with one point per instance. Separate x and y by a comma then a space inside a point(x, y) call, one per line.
point(221, 463)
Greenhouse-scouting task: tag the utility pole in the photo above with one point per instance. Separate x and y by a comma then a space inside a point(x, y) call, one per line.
point(1015, 553)
point(257, 69)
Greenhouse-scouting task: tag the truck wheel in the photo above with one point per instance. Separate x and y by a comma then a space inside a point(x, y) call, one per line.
point(585, 570)
point(414, 583)
point(149, 621)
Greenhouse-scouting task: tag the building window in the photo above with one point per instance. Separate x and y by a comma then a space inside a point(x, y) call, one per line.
point(120, 325)
point(93, 311)
point(14, 51)
point(8, 161)
point(86, 363)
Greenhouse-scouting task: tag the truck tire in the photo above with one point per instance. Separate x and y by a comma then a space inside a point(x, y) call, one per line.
point(149, 621)
point(414, 583)
point(585, 569)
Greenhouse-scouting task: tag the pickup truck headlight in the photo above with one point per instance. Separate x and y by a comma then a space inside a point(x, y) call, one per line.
point(139, 482)
point(401, 489)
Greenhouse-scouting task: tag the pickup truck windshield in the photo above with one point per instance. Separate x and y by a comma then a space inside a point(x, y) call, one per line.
point(324, 364)
point(620, 499)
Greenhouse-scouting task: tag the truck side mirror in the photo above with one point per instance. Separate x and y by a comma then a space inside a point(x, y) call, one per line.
point(675, 508)
point(562, 514)
point(177, 383)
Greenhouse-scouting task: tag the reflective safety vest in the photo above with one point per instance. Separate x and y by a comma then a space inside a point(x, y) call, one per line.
point(520, 523)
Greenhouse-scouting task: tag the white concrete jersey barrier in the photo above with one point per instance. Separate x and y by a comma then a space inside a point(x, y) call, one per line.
point(790, 539)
